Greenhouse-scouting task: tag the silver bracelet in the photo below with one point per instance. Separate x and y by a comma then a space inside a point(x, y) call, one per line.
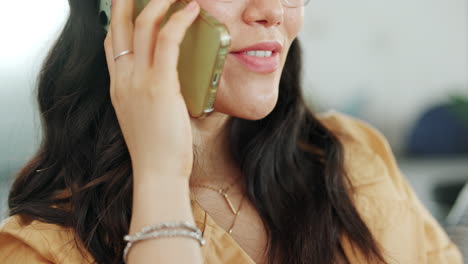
point(163, 233)
point(148, 233)
point(170, 224)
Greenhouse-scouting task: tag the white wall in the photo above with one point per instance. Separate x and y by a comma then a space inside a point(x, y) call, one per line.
point(28, 27)
point(386, 61)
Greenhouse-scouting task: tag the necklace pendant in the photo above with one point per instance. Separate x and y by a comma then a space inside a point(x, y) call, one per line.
point(229, 203)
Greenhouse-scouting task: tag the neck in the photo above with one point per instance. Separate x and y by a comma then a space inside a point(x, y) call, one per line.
point(213, 163)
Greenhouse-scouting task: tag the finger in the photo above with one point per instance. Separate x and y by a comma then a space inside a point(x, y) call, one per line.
point(109, 52)
point(122, 33)
point(146, 31)
point(166, 53)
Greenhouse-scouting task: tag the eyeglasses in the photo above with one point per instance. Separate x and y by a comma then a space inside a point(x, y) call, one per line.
point(295, 3)
point(287, 3)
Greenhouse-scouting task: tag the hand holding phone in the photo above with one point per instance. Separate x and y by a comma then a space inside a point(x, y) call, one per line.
point(145, 89)
point(201, 57)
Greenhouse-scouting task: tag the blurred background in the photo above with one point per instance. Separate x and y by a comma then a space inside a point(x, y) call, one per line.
point(400, 65)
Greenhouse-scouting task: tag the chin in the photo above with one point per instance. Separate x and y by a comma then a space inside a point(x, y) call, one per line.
point(246, 104)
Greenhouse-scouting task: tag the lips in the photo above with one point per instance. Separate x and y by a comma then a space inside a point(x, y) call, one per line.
point(274, 46)
point(260, 64)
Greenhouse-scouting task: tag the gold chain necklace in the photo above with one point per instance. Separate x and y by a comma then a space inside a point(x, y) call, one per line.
point(223, 192)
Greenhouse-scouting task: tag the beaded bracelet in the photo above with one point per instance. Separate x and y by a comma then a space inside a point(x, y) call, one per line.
point(170, 224)
point(151, 232)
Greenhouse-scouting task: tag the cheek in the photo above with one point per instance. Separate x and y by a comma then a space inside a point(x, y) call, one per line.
point(242, 93)
point(248, 99)
point(294, 21)
point(221, 11)
point(246, 94)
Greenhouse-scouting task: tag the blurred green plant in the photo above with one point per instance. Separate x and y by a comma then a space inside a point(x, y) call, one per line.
point(460, 105)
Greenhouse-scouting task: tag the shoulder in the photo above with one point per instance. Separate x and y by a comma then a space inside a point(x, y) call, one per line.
point(30, 241)
point(367, 153)
point(351, 130)
point(377, 186)
point(383, 197)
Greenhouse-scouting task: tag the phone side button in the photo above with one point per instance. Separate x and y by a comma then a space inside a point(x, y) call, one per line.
point(216, 79)
point(208, 110)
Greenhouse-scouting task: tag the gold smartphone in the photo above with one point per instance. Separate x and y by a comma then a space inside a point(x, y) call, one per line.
point(201, 58)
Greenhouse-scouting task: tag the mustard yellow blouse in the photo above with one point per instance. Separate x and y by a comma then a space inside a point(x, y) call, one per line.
point(402, 225)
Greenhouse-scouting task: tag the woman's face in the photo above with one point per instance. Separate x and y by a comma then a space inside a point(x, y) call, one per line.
point(245, 90)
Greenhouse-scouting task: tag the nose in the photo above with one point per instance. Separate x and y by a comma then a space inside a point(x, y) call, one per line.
point(265, 12)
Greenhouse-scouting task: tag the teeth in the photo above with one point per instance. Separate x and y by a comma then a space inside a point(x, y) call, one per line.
point(259, 53)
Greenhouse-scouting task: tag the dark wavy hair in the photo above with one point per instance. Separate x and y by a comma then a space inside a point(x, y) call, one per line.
point(292, 165)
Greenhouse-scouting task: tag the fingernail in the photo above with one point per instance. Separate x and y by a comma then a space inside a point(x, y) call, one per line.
point(191, 5)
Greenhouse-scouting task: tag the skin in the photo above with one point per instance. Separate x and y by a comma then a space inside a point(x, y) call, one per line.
point(145, 94)
point(245, 94)
point(242, 92)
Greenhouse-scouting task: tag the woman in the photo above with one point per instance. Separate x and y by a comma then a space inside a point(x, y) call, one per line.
point(120, 153)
